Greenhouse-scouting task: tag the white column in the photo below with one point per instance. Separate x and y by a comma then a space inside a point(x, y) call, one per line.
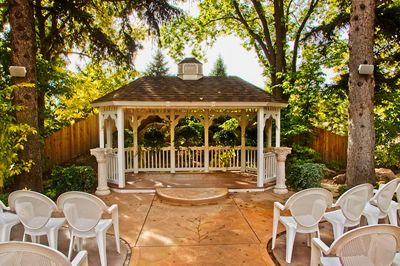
point(136, 151)
point(101, 129)
point(121, 148)
point(172, 137)
point(278, 129)
point(243, 124)
point(206, 142)
point(109, 133)
point(281, 154)
point(102, 187)
point(269, 132)
point(260, 147)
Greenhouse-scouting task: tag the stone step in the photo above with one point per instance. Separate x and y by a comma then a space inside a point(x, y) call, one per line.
point(191, 196)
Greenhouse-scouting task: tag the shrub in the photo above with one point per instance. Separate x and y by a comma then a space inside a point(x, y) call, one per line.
point(303, 154)
point(154, 138)
point(72, 178)
point(305, 175)
point(4, 198)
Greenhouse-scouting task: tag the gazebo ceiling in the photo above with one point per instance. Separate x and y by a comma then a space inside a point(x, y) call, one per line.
point(205, 92)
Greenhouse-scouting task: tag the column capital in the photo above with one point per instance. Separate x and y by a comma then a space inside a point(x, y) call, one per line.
point(281, 153)
point(100, 153)
point(101, 157)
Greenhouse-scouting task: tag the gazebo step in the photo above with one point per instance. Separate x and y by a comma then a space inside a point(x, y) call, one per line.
point(192, 196)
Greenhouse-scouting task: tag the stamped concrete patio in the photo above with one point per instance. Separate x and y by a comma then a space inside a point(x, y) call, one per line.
point(233, 232)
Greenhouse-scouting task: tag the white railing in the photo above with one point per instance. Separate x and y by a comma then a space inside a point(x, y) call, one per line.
point(190, 158)
point(269, 167)
point(112, 167)
point(154, 159)
point(224, 158)
point(251, 159)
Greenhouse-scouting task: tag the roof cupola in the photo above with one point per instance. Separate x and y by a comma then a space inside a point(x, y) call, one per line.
point(190, 69)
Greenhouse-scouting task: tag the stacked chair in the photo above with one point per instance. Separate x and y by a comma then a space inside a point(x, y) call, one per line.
point(374, 244)
point(83, 212)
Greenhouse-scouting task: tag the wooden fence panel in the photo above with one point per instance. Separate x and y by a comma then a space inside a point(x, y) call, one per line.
point(71, 142)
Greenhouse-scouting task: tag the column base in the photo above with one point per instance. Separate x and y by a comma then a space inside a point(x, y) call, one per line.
point(103, 191)
point(280, 190)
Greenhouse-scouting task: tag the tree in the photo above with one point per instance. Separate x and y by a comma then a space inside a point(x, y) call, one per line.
point(361, 144)
point(23, 53)
point(265, 26)
point(219, 69)
point(158, 67)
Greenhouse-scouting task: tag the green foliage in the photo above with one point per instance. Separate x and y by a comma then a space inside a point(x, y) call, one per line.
point(189, 132)
point(12, 137)
point(153, 138)
point(227, 156)
point(302, 154)
point(304, 175)
point(227, 134)
point(158, 67)
point(72, 178)
point(219, 69)
point(388, 155)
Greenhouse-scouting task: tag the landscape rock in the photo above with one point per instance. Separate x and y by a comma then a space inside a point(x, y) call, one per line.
point(384, 174)
point(340, 179)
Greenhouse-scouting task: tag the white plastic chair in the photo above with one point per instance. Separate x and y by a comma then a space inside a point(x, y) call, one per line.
point(7, 221)
point(307, 208)
point(27, 254)
point(378, 207)
point(352, 204)
point(35, 210)
point(371, 245)
point(84, 212)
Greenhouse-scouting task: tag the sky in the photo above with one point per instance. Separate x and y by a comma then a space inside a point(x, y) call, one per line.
point(239, 62)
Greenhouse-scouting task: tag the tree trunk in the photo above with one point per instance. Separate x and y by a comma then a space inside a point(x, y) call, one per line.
point(360, 152)
point(23, 53)
point(280, 42)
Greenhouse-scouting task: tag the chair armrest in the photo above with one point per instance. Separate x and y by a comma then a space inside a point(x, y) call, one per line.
point(81, 259)
point(321, 245)
point(4, 207)
point(113, 208)
point(279, 205)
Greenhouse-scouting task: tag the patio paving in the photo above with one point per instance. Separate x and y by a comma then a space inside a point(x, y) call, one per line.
point(233, 232)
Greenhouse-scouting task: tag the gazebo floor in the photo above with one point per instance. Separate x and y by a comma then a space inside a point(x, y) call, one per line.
point(151, 181)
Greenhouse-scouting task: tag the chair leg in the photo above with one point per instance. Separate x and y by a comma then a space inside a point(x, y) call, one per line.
point(290, 236)
point(101, 243)
point(71, 242)
point(338, 229)
point(274, 230)
point(371, 219)
point(24, 237)
point(116, 234)
point(392, 214)
point(52, 236)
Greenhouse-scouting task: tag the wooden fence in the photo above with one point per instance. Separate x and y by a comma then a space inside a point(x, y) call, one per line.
point(79, 138)
point(330, 146)
point(71, 142)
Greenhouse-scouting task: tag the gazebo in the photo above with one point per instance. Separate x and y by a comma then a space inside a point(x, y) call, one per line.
point(172, 98)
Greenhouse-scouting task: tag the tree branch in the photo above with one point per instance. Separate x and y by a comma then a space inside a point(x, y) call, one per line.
point(255, 36)
point(313, 5)
point(267, 36)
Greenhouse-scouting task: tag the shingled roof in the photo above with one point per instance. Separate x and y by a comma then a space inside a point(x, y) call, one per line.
point(174, 89)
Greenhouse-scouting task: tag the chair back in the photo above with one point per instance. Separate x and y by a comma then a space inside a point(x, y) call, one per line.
point(82, 210)
point(308, 206)
point(353, 201)
point(33, 209)
point(26, 254)
point(368, 245)
point(385, 194)
point(398, 193)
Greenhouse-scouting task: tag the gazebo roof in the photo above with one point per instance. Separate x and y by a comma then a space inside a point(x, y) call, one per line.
point(207, 91)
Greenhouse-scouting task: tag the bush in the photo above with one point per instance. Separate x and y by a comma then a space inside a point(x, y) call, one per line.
point(4, 198)
point(154, 138)
point(303, 154)
point(72, 178)
point(305, 175)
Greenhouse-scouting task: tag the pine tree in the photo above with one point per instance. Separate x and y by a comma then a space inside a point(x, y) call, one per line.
point(158, 67)
point(219, 69)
